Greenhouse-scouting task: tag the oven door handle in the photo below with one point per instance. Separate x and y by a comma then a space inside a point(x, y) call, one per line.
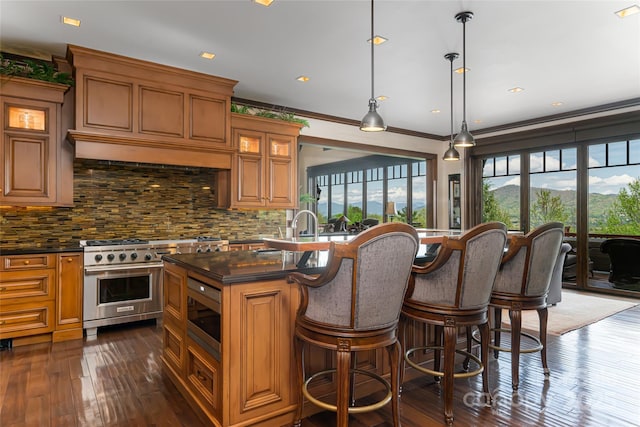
point(102, 268)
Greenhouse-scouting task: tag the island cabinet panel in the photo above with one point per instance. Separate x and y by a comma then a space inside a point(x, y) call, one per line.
point(175, 317)
point(133, 110)
point(262, 327)
point(35, 165)
point(203, 376)
point(265, 163)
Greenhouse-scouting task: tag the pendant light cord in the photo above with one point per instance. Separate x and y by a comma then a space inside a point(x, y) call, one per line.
point(451, 98)
point(464, 70)
point(372, 43)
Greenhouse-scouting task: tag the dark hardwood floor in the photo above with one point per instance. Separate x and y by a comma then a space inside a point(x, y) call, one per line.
point(116, 380)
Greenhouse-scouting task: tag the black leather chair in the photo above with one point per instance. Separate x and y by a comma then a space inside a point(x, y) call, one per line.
point(625, 260)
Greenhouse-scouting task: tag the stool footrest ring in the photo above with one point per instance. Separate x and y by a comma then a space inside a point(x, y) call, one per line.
point(535, 339)
point(441, 374)
point(352, 409)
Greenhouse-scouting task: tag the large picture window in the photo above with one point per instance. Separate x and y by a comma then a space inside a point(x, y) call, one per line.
point(364, 187)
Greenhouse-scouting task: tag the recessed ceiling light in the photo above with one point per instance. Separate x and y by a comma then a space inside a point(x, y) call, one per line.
point(462, 70)
point(515, 89)
point(377, 40)
point(71, 21)
point(263, 2)
point(206, 187)
point(302, 79)
point(382, 97)
point(207, 55)
point(631, 10)
point(556, 104)
point(435, 111)
point(477, 121)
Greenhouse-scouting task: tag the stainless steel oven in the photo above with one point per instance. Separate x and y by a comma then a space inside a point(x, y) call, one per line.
point(119, 294)
point(203, 315)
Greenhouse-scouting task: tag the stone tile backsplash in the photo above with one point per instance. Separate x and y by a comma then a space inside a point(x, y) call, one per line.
point(120, 200)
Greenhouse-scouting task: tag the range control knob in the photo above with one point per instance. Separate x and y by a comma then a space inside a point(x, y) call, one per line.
point(98, 257)
point(218, 249)
point(148, 257)
point(199, 249)
point(134, 255)
point(110, 257)
point(209, 249)
point(122, 256)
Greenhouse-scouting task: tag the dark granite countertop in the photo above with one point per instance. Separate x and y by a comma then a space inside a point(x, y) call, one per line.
point(39, 248)
point(247, 266)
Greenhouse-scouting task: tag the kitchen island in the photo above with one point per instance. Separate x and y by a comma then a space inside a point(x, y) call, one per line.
point(241, 371)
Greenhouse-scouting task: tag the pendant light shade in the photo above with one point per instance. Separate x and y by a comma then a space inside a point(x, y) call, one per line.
point(451, 154)
point(372, 122)
point(464, 138)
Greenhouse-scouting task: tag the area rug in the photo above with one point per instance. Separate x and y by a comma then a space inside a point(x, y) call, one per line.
point(576, 310)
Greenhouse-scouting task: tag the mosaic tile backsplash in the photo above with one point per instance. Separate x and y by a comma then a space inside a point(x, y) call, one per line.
point(119, 200)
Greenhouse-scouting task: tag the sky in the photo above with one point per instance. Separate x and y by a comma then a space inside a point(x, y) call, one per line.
point(559, 167)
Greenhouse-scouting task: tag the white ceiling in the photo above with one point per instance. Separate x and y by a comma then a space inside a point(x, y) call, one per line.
point(575, 52)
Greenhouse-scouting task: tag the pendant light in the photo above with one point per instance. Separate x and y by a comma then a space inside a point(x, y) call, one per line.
point(372, 122)
point(451, 154)
point(464, 138)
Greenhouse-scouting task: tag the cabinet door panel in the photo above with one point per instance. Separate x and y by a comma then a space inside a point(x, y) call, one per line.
point(107, 104)
point(208, 120)
point(69, 298)
point(175, 284)
point(161, 112)
point(29, 168)
point(250, 181)
point(280, 177)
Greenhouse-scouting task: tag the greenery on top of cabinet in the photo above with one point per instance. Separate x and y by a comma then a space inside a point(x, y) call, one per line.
point(33, 69)
point(283, 115)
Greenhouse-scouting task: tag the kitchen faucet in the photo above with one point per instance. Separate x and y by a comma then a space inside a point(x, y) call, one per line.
point(294, 223)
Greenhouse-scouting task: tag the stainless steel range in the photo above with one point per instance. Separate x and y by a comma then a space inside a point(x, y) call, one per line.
point(123, 277)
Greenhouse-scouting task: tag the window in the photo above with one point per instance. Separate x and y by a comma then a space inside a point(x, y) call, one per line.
point(501, 190)
point(360, 188)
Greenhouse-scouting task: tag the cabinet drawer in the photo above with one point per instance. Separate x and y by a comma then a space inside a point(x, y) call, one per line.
point(36, 285)
point(17, 320)
point(203, 378)
point(28, 262)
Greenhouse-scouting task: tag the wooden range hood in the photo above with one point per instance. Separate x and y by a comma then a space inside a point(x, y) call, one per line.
point(137, 111)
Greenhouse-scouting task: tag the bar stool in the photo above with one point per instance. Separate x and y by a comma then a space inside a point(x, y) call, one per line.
point(354, 305)
point(453, 291)
point(522, 284)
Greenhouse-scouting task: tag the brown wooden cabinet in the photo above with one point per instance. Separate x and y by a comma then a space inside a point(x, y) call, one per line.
point(138, 111)
point(264, 172)
point(27, 295)
point(35, 163)
point(41, 297)
point(246, 246)
point(69, 297)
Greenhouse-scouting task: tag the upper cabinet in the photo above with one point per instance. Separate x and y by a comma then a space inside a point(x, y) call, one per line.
point(138, 111)
point(36, 164)
point(264, 174)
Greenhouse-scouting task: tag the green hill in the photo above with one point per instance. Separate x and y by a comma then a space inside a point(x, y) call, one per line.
point(508, 197)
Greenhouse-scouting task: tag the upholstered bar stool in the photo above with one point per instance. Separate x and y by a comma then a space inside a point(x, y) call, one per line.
point(453, 291)
point(354, 305)
point(522, 284)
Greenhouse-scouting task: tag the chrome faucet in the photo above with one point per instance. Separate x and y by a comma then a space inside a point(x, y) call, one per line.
point(294, 223)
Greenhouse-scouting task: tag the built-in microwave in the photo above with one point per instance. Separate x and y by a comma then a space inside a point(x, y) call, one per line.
point(203, 315)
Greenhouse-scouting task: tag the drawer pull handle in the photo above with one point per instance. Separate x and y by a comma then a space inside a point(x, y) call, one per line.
point(2, 322)
point(27, 262)
point(69, 259)
point(2, 289)
point(201, 377)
